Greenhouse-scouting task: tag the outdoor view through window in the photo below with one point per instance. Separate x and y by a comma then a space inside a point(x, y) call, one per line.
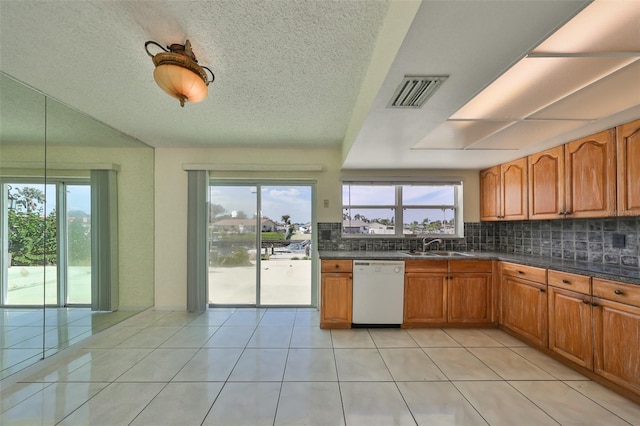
point(46, 244)
point(260, 244)
point(421, 209)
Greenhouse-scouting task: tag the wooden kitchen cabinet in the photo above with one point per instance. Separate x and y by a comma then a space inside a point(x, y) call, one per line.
point(514, 190)
point(590, 175)
point(469, 291)
point(546, 184)
point(616, 323)
point(523, 292)
point(490, 190)
point(440, 292)
point(336, 293)
point(570, 317)
point(628, 152)
point(425, 292)
point(503, 191)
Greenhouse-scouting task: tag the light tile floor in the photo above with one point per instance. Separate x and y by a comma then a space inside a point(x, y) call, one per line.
point(27, 335)
point(277, 367)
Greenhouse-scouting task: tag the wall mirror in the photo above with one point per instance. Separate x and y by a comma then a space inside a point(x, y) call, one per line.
point(77, 226)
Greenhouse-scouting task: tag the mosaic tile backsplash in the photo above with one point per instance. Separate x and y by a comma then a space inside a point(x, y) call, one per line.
point(588, 240)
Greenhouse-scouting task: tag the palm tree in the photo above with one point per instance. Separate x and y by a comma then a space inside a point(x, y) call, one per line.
point(30, 198)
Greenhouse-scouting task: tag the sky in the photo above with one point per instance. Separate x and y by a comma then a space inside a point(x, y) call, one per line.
point(292, 200)
point(78, 196)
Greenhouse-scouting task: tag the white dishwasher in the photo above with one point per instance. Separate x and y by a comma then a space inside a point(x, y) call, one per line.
point(378, 292)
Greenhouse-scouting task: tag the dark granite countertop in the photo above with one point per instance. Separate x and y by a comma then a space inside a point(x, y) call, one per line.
point(597, 270)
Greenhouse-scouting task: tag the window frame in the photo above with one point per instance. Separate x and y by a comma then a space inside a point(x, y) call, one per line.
point(399, 207)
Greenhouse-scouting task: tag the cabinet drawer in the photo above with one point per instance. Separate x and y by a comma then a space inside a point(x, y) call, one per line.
point(573, 282)
point(617, 291)
point(470, 266)
point(530, 273)
point(425, 265)
point(337, 266)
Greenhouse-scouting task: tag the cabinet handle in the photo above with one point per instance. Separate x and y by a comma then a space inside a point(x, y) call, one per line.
point(542, 290)
point(521, 272)
point(560, 213)
point(566, 281)
point(585, 301)
point(594, 304)
point(618, 292)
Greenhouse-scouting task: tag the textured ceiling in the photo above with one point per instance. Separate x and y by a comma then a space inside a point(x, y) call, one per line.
point(294, 72)
point(287, 72)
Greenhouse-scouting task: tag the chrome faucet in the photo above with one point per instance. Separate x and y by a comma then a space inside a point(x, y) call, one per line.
point(426, 244)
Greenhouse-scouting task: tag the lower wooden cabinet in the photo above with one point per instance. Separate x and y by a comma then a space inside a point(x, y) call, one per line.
point(447, 292)
point(524, 303)
point(570, 317)
point(336, 293)
point(616, 323)
point(469, 295)
point(425, 298)
point(425, 292)
point(570, 326)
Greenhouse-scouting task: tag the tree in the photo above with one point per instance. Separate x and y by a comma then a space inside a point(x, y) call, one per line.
point(32, 238)
point(287, 221)
point(31, 199)
point(216, 210)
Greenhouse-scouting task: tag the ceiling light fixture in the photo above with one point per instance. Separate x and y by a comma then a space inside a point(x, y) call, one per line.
point(178, 73)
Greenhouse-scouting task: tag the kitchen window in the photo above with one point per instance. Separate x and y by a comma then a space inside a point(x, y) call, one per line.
point(396, 209)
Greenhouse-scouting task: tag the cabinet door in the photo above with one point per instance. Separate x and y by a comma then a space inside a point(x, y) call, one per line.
point(591, 176)
point(425, 298)
point(336, 300)
point(524, 308)
point(514, 190)
point(490, 189)
point(546, 184)
point(469, 297)
point(628, 139)
point(570, 326)
point(617, 339)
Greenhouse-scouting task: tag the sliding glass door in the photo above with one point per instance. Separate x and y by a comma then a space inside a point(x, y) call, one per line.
point(78, 244)
point(46, 243)
point(233, 244)
point(260, 244)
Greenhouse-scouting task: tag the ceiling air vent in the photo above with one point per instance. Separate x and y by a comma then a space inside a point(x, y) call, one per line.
point(414, 90)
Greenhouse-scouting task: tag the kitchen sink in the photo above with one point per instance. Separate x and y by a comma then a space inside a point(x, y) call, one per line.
point(437, 253)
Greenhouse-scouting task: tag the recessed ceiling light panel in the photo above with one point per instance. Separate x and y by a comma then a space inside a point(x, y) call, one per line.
point(414, 90)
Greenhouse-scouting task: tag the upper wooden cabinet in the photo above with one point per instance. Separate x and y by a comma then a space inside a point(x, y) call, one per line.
point(490, 189)
point(590, 167)
point(503, 191)
point(628, 144)
point(546, 184)
point(595, 176)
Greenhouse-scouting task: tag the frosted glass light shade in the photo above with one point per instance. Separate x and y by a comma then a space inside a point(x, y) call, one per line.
point(181, 83)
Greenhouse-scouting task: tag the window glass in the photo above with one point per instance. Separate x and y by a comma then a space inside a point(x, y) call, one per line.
point(423, 209)
point(433, 195)
point(369, 195)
